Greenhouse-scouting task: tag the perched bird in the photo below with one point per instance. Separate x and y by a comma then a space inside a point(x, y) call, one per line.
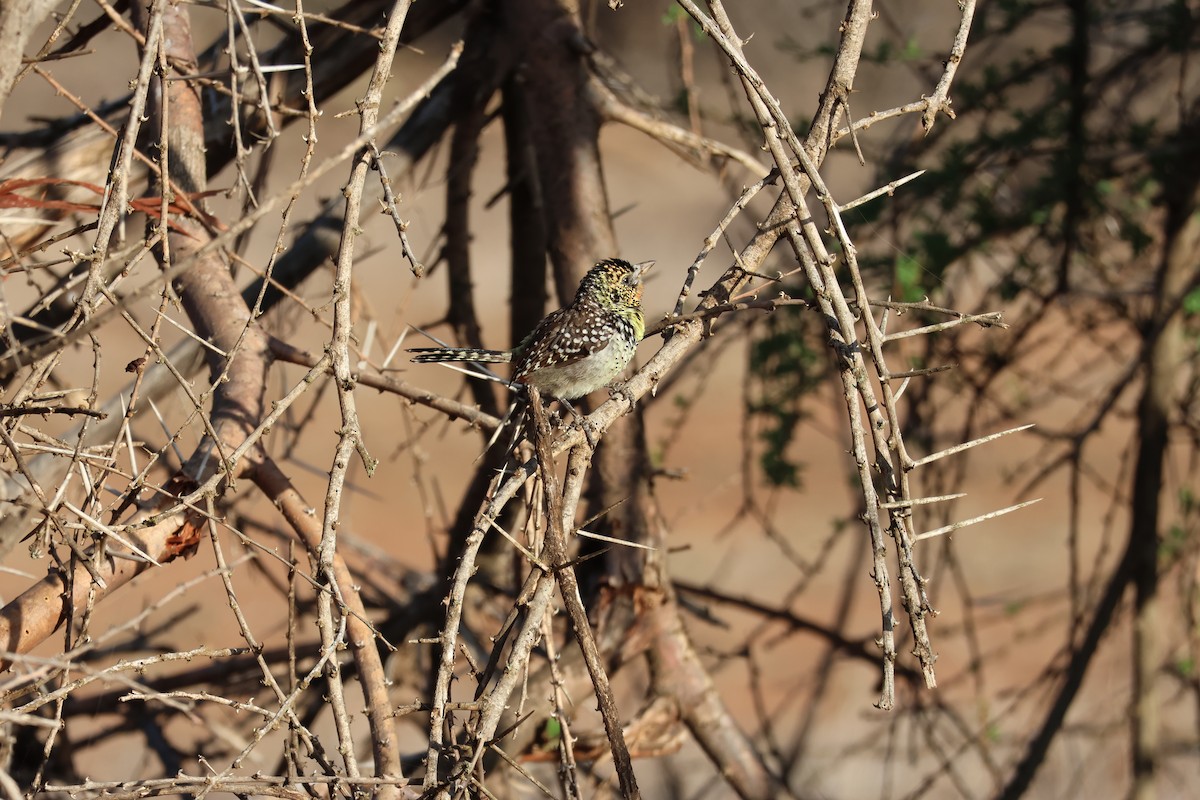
point(577, 349)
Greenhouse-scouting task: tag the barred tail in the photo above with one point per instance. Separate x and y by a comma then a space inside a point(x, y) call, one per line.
point(433, 355)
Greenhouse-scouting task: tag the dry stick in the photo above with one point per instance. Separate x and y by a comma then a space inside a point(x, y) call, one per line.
point(712, 312)
point(940, 99)
point(154, 375)
point(10, 687)
point(276, 486)
point(493, 705)
point(117, 190)
point(555, 550)
point(500, 491)
point(264, 93)
point(220, 314)
point(300, 16)
point(310, 144)
point(876, 117)
point(524, 773)
point(133, 487)
point(889, 189)
point(383, 735)
point(286, 711)
point(210, 297)
point(267, 206)
point(687, 335)
point(206, 277)
point(38, 611)
point(568, 770)
point(350, 437)
point(896, 484)
point(615, 110)
point(852, 375)
point(988, 320)
point(450, 407)
point(966, 522)
point(18, 21)
point(154, 168)
point(114, 672)
point(958, 448)
point(245, 223)
point(27, 410)
point(285, 699)
point(32, 616)
point(710, 241)
point(257, 785)
point(833, 307)
point(538, 591)
point(390, 206)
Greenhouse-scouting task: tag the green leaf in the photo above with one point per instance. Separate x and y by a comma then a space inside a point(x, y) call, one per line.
point(908, 272)
point(1191, 303)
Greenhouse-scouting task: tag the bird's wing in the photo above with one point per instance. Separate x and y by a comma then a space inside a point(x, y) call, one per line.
point(565, 337)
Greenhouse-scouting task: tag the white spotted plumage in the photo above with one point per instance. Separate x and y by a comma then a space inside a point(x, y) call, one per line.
point(580, 348)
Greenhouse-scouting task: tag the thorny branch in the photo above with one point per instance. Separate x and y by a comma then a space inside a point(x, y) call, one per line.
point(194, 256)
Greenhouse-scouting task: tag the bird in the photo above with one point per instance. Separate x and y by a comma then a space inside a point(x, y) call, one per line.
point(582, 347)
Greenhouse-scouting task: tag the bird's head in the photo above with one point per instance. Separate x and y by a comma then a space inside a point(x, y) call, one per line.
point(614, 282)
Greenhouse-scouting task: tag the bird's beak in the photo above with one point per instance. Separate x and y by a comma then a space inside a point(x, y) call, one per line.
point(642, 268)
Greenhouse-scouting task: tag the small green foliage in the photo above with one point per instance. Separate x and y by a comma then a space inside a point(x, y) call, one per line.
point(658, 457)
point(888, 52)
point(552, 730)
point(674, 13)
point(548, 735)
point(1173, 543)
point(1187, 498)
point(908, 272)
point(783, 371)
point(1191, 303)
point(1179, 536)
point(912, 51)
point(780, 471)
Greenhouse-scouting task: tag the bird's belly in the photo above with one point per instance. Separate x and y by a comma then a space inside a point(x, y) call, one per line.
point(570, 381)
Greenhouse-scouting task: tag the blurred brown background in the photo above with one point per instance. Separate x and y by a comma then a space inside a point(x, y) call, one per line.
point(1055, 197)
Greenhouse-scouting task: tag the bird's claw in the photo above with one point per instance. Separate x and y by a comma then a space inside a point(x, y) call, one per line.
point(589, 432)
point(578, 421)
point(622, 390)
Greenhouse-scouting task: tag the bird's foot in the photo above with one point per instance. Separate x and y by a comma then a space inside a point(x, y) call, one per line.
point(622, 390)
point(589, 431)
point(581, 421)
point(565, 408)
